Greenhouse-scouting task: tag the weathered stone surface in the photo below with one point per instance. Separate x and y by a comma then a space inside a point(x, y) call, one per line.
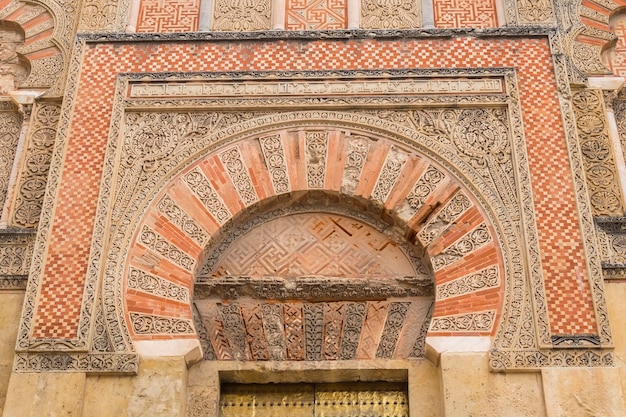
point(615, 296)
point(583, 392)
point(50, 394)
point(157, 390)
point(10, 309)
point(470, 389)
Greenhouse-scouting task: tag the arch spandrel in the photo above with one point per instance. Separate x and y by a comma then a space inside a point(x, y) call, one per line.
point(418, 199)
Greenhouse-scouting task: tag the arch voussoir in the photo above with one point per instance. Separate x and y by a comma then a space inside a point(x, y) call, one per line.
point(412, 195)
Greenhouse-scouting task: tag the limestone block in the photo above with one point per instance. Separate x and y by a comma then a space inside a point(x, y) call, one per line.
point(471, 390)
point(45, 394)
point(157, 390)
point(425, 399)
point(615, 296)
point(583, 392)
point(10, 310)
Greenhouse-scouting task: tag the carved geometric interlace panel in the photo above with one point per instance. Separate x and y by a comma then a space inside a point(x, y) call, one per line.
point(595, 144)
point(10, 123)
point(168, 16)
point(465, 14)
point(318, 244)
point(316, 14)
point(242, 15)
point(388, 14)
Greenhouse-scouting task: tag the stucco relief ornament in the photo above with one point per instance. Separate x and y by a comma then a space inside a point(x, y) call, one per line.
point(390, 14)
point(535, 10)
point(484, 138)
point(152, 141)
point(242, 15)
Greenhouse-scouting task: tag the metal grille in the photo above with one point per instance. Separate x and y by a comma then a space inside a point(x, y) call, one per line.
point(353, 399)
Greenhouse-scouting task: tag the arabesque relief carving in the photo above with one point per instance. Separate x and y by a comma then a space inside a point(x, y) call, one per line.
point(33, 178)
point(98, 15)
point(242, 16)
point(10, 126)
point(387, 14)
point(534, 12)
point(595, 144)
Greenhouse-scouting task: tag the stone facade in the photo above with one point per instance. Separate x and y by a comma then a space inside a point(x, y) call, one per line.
point(199, 193)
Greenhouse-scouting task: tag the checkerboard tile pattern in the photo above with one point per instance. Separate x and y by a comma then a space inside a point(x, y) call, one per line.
point(560, 239)
point(465, 13)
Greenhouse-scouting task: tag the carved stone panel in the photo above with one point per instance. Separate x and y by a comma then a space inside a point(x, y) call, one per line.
point(599, 162)
point(387, 14)
point(10, 125)
point(98, 16)
point(32, 180)
point(242, 16)
point(532, 12)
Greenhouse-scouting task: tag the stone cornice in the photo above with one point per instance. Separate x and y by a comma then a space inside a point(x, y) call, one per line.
point(274, 35)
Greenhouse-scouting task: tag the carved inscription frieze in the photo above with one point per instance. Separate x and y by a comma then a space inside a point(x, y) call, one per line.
point(317, 88)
